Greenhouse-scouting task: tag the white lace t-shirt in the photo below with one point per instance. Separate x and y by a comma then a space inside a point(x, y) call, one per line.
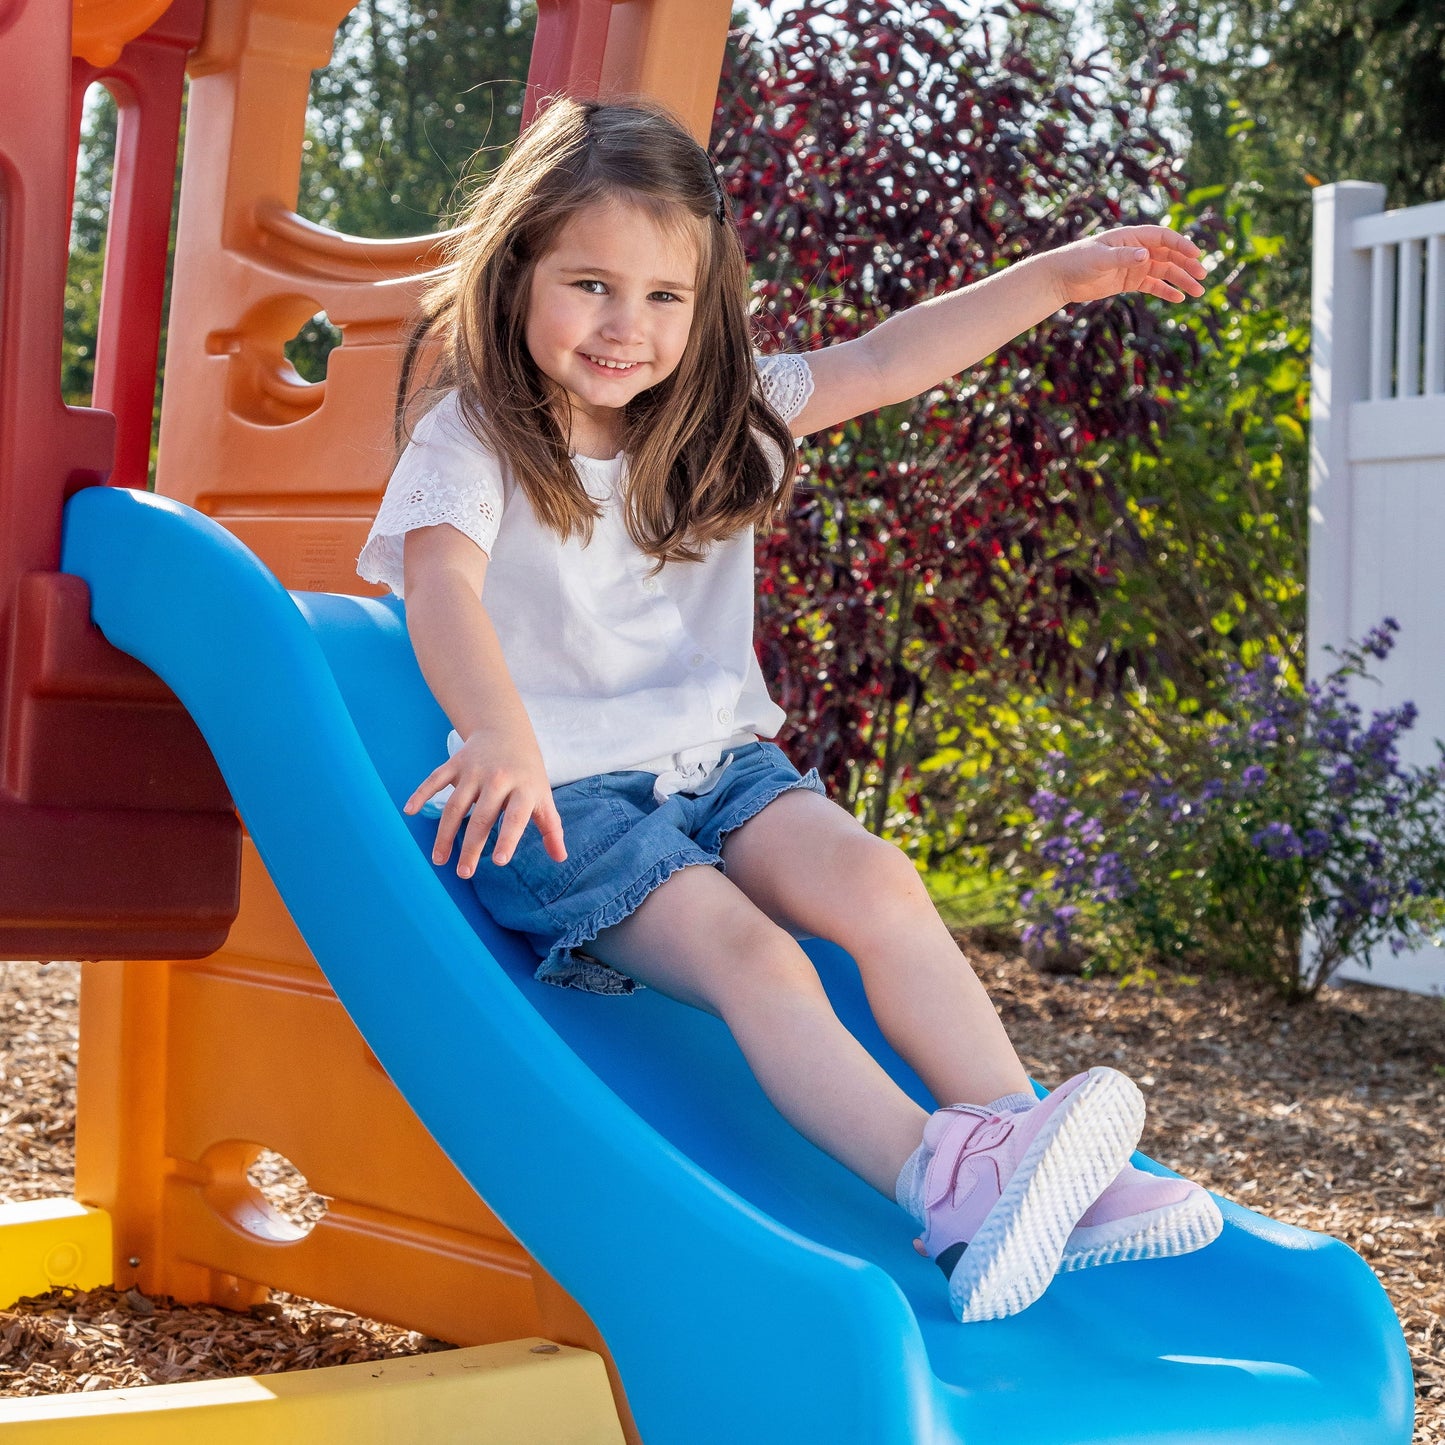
point(617, 669)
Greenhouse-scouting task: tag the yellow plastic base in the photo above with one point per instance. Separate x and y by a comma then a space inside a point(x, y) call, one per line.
point(50, 1242)
point(522, 1392)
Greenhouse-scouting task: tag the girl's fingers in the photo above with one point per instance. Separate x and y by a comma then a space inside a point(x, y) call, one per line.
point(1164, 246)
point(549, 825)
point(454, 819)
point(432, 784)
point(1180, 269)
point(514, 823)
point(1161, 256)
point(1184, 279)
point(1177, 280)
point(1165, 276)
point(448, 826)
point(474, 840)
point(515, 818)
point(474, 809)
point(1162, 290)
point(485, 812)
point(1162, 236)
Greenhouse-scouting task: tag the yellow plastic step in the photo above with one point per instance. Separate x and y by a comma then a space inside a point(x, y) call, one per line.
point(520, 1392)
point(50, 1242)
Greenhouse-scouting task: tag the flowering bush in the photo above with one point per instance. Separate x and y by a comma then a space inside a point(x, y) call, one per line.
point(1287, 839)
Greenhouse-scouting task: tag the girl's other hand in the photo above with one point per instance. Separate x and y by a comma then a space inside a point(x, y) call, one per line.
point(495, 774)
point(1152, 259)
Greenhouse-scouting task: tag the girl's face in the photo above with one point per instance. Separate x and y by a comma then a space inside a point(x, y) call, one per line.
point(609, 313)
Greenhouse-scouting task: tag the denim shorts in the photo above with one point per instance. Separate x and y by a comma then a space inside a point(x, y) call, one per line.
point(621, 843)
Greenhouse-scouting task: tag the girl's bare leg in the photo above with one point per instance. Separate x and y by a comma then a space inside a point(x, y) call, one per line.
point(811, 867)
point(698, 939)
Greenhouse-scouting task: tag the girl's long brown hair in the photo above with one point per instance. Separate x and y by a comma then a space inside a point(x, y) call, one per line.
point(698, 443)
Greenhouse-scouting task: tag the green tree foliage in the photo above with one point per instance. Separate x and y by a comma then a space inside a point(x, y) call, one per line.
point(1210, 516)
point(1205, 524)
point(418, 98)
point(415, 90)
point(87, 249)
point(1279, 98)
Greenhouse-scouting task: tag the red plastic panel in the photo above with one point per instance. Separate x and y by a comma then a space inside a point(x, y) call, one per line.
point(87, 722)
point(116, 834)
point(567, 55)
point(146, 81)
point(79, 883)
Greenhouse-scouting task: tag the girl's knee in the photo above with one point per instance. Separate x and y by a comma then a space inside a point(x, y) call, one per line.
point(878, 882)
point(768, 964)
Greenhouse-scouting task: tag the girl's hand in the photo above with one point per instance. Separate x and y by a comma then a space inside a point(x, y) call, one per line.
point(1152, 259)
point(495, 774)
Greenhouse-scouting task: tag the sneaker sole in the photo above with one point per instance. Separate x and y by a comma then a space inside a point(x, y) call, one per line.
point(1176, 1229)
point(1021, 1241)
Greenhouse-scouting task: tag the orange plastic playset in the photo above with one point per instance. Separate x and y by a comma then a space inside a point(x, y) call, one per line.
point(132, 852)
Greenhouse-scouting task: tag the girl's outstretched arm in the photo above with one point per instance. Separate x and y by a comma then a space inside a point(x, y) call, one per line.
point(498, 772)
point(925, 345)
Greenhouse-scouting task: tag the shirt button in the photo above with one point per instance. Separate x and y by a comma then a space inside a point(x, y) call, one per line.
point(725, 715)
point(696, 659)
point(650, 586)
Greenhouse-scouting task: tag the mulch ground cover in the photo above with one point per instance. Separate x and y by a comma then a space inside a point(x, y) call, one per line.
point(1330, 1116)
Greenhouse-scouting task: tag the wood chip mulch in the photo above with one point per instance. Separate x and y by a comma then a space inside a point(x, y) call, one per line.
point(105, 1339)
point(1330, 1116)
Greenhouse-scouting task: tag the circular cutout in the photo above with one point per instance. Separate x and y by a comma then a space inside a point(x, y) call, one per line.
point(285, 1188)
point(260, 1191)
point(308, 350)
point(262, 386)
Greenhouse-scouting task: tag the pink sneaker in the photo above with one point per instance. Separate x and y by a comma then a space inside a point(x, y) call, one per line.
point(1002, 1192)
point(1142, 1216)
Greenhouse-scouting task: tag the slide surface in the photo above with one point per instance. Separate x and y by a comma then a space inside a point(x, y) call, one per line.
point(749, 1288)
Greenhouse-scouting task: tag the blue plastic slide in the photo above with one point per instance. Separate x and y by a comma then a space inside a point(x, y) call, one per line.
point(749, 1288)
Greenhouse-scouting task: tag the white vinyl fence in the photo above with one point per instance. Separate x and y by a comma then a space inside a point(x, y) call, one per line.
point(1377, 468)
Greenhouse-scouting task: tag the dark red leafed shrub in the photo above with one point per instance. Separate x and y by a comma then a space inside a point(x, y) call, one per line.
point(878, 154)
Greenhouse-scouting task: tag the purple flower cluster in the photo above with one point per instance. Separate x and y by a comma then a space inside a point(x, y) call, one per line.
point(1278, 840)
point(1292, 817)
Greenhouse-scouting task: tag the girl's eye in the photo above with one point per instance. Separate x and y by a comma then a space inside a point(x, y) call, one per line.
point(665, 296)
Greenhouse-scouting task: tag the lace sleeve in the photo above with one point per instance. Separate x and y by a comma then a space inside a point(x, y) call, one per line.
point(445, 475)
point(787, 382)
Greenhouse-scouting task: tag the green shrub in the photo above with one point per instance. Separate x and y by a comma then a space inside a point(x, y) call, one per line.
point(1280, 837)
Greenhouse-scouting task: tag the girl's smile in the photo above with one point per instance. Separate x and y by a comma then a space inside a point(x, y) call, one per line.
point(609, 314)
point(618, 366)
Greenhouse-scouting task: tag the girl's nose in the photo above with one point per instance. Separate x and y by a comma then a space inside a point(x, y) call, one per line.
point(622, 323)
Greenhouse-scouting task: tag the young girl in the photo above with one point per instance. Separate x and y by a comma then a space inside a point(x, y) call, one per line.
point(571, 523)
